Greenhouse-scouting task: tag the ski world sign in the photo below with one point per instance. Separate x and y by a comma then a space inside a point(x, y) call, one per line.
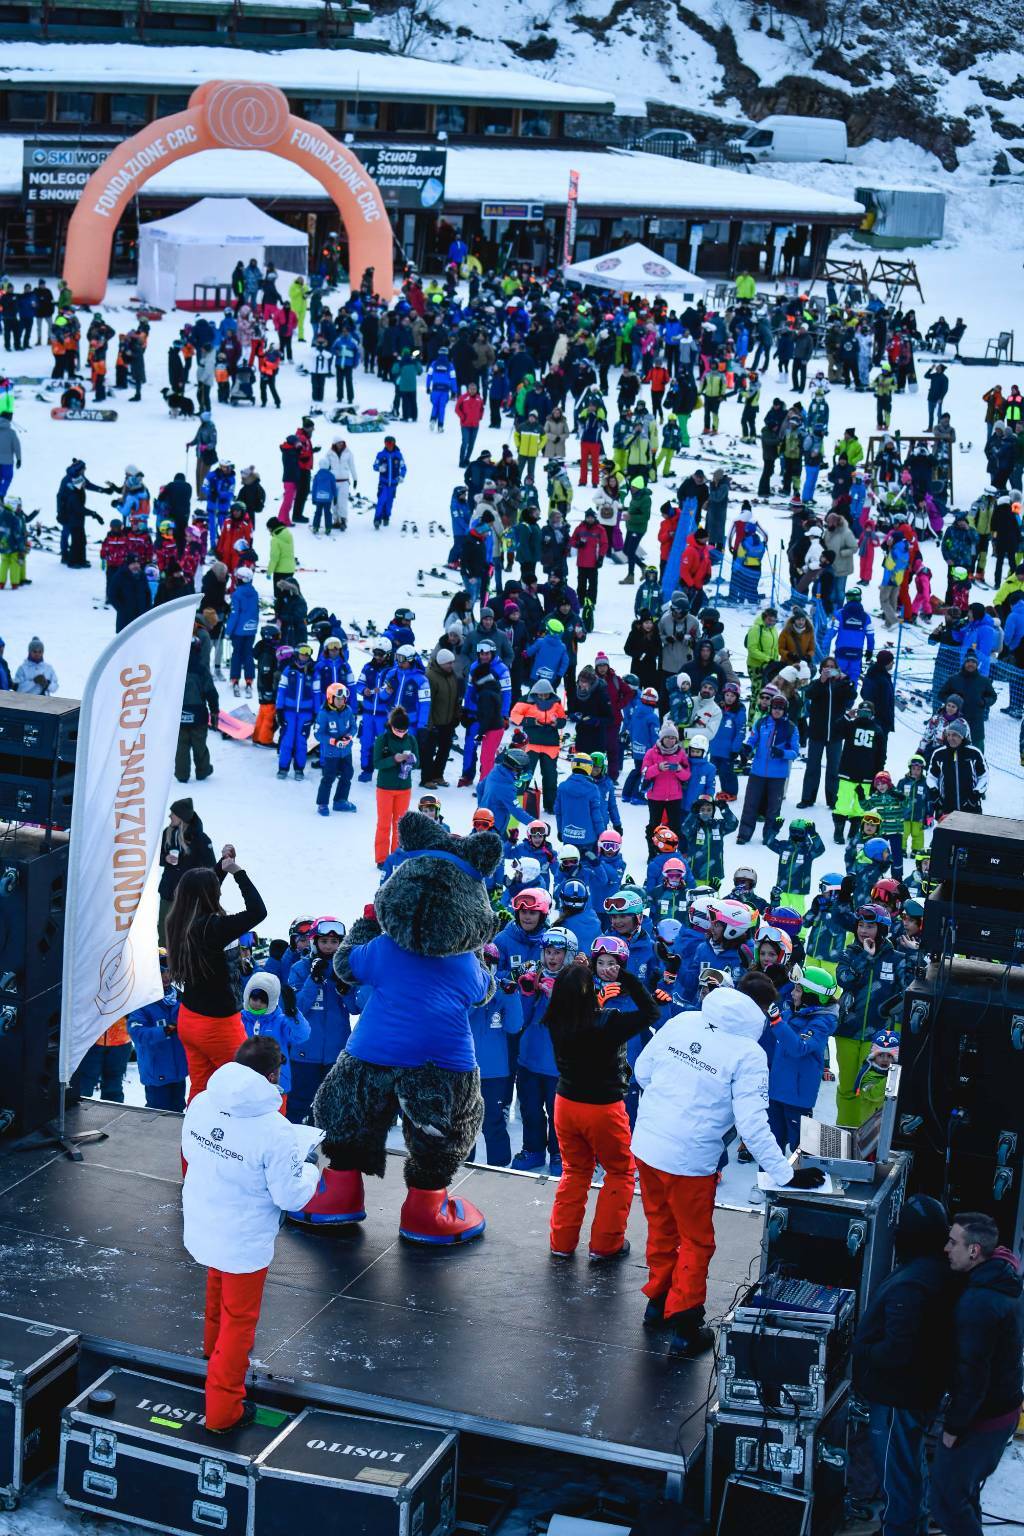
point(56, 170)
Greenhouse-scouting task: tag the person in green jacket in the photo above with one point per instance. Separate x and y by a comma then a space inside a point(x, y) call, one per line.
point(405, 372)
point(395, 756)
point(638, 515)
point(852, 448)
point(714, 390)
point(746, 288)
point(298, 294)
point(281, 562)
point(671, 444)
point(762, 643)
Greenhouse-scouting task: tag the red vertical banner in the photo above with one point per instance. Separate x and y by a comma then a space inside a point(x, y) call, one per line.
point(570, 216)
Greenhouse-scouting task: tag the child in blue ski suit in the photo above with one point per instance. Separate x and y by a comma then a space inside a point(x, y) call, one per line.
point(797, 854)
point(242, 625)
point(390, 469)
point(328, 1006)
point(442, 387)
point(800, 1037)
point(163, 1067)
point(703, 837)
point(644, 725)
point(218, 492)
point(264, 1014)
point(702, 783)
point(322, 493)
point(492, 1024)
point(579, 811)
point(374, 704)
point(335, 728)
point(294, 704)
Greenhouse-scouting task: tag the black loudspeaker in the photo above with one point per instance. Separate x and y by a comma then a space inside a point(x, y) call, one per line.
point(38, 745)
point(33, 894)
point(961, 1098)
point(979, 850)
point(984, 921)
point(29, 1062)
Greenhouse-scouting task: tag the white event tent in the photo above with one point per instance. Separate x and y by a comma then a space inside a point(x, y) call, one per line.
point(202, 243)
point(636, 269)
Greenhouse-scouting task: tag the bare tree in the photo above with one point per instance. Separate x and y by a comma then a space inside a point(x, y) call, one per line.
point(409, 22)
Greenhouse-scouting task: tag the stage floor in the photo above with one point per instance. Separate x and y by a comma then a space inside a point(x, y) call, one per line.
point(493, 1338)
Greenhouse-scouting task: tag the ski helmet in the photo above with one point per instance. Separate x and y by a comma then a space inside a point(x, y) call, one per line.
point(625, 902)
point(673, 872)
point(573, 896)
point(336, 696)
point(736, 918)
point(610, 842)
point(534, 899)
point(877, 850)
point(611, 944)
point(483, 819)
point(561, 938)
point(698, 910)
point(818, 983)
point(665, 840)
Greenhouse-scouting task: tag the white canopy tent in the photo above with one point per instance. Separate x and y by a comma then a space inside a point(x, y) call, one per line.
point(636, 269)
point(202, 243)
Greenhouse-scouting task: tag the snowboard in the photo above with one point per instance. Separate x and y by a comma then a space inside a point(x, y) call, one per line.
point(239, 726)
point(60, 413)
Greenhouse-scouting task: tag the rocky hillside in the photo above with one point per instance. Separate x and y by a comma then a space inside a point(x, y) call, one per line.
point(949, 79)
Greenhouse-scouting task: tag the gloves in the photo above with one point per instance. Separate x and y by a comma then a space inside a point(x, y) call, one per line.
point(528, 984)
point(507, 984)
point(607, 992)
point(807, 1178)
point(318, 969)
point(545, 984)
point(661, 996)
point(288, 1002)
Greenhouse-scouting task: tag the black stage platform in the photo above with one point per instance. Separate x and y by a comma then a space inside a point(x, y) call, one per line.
point(492, 1338)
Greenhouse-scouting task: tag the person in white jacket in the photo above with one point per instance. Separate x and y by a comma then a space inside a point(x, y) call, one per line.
point(701, 1074)
point(246, 1166)
point(343, 467)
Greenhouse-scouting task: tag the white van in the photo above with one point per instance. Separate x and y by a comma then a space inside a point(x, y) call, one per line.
point(793, 138)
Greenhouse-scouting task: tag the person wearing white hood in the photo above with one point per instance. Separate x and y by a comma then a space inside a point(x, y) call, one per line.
point(701, 1074)
point(245, 1168)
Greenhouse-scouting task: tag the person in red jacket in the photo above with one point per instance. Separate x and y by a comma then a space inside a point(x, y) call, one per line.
point(114, 551)
point(469, 408)
point(667, 531)
point(307, 452)
point(659, 378)
point(236, 530)
point(695, 568)
point(619, 695)
point(590, 542)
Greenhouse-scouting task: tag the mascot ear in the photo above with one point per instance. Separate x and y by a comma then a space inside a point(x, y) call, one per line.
point(416, 832)
point(483, 850)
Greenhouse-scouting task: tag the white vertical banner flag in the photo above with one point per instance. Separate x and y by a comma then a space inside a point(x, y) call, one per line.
point(127, 735)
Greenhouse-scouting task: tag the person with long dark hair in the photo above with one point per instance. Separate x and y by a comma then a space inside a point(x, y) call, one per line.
point(203, 957)
point(595, 1007)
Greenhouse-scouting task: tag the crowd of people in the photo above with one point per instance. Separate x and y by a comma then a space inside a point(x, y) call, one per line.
point(605, 966)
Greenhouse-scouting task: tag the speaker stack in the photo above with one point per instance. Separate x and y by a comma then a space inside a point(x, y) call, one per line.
point(961, 1100)
point(38, 739)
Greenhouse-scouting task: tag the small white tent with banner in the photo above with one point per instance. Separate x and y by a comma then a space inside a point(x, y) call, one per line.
point(199, 247)
point(636, 269)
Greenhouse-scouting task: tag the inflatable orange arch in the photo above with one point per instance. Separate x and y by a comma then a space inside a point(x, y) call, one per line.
point(227, 114)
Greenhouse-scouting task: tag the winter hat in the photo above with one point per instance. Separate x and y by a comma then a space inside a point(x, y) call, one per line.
point(923, 1228)
point(35, 644)
point(885, 657)
point(183, 808)
point(959, 725)
point(454, 627)
point(601, 656)
point(263, 981)
point(443, 657)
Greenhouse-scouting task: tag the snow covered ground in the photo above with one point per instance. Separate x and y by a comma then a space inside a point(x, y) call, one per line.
point(300, 862)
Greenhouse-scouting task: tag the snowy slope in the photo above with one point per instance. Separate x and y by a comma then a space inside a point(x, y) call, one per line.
point(948, 80)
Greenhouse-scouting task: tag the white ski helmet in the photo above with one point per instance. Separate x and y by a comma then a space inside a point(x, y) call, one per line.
point(699, 912)
point(736, 918)
point(697, 743)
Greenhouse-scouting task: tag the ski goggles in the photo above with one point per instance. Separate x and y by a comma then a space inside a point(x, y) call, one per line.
point(330, 925)
point(608, 944)
point(620, 902)
point(531, 901)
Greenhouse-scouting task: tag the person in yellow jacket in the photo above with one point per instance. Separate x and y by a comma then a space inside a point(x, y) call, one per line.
point(746, 288)
point(529, 440)
point(762, 642)
point(281, 561)
point(851, 446)
point(714, 387)
point(883, 385)
point(298, 297)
